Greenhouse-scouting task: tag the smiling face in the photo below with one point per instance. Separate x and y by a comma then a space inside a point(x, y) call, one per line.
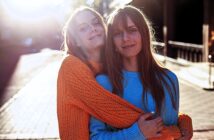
point(127, 40)
point(89, 32)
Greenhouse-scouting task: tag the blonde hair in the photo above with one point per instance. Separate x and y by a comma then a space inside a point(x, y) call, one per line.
point(70, 46)
point(69, 27)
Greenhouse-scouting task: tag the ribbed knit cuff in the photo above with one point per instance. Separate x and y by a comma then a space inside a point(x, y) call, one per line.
point(185, 125)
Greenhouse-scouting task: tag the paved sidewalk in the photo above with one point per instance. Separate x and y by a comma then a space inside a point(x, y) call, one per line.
point(31, 113)
point(27, 67)
point(194, 100)
point(200, 74)
point(198, 104)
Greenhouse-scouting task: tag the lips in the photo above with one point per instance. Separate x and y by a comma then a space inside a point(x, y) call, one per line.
point(94, 36)
point(128, 46)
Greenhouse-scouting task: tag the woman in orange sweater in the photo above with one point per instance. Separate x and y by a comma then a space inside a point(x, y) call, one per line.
point(79, 95)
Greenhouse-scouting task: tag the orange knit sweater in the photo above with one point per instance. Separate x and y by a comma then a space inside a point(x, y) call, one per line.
point(79, 96)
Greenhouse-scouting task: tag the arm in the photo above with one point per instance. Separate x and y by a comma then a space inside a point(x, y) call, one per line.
point(77, 83)
point(100, 131)
point(185, 126)
point(184, 121)
point(70, 126)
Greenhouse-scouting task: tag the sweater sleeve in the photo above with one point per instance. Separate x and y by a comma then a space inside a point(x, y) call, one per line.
point(101, 131)
point(82, 90)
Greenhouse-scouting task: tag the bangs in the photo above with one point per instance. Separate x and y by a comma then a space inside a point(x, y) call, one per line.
point(120, 21)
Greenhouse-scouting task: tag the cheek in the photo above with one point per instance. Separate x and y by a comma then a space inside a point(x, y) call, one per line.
point(101, 29)
point(81, 40)
point(137, 36)
point(83, 35)
point(117, 43)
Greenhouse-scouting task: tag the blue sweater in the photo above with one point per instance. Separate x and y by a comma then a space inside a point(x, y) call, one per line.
point(133, 90)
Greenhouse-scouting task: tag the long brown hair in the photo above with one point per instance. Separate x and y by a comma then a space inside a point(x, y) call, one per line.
point(70, 46)
point(151, 72)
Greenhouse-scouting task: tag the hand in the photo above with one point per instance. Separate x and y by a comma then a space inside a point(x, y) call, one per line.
point(150, 128)
point(185, 126)
point(185, 136)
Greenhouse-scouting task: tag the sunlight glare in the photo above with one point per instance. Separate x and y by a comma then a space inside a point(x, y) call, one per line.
point(30, 9)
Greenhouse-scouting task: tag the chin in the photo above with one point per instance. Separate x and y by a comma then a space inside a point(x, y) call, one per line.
point(129, 55)
point(98, 44)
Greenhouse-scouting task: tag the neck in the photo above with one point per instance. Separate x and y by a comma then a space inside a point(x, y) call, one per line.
point(94, 55)
point(130, 64)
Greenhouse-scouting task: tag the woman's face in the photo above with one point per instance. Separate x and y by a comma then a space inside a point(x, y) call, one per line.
point(127, 40)
point(90, 33)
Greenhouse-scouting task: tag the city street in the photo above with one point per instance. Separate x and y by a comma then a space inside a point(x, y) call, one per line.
point(30, 112)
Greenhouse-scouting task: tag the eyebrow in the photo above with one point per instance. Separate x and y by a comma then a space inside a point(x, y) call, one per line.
point(128, 27)
point(131, 26)
point(81, 24)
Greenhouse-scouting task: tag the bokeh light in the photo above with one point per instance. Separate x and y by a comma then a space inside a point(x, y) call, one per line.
point(27, 23)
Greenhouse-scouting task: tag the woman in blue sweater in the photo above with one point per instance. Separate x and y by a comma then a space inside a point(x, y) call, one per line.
point(133, 73)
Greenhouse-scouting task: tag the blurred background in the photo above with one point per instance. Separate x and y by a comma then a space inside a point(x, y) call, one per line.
point(31, 37)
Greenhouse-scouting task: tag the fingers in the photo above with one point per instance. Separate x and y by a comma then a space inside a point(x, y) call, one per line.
point(159, 128)
point(159, 124)
point(156, 124)
point(145, 116)
point(158, 120)
point(158, 135)
point(152, 127)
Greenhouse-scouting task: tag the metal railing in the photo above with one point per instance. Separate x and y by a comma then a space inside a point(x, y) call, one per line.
point(159, 47)
point(187, 51)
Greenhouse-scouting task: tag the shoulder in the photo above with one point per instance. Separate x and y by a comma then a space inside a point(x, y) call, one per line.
point(171, 78)
point(72, 64)
point(104, 81)
point(171, 74)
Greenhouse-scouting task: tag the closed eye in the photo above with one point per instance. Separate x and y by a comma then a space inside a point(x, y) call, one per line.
point(132, 29)
point(117, 33)
point(83, 27)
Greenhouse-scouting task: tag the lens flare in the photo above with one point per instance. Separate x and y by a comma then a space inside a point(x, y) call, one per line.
point(30, 9)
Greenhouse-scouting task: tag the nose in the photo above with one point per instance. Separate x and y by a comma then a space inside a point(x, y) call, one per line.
point(92, 27)
point(125, 36)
